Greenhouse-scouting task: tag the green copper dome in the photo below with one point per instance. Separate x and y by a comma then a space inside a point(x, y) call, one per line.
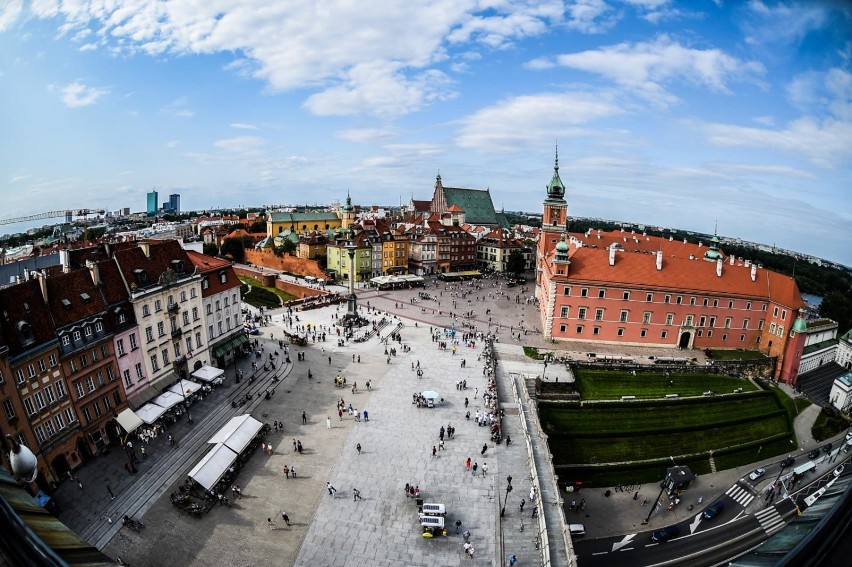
point(556, 189)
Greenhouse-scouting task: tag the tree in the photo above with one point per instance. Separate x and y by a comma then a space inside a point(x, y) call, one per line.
point(234, 248)
point(258, 226)
point(210, 249)
point(837, 306)
point(516, 263)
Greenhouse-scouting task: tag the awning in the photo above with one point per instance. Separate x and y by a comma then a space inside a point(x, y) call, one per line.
point(212, 466)
point(168, 399)
point(231, 344)
point(208, 373)
point(128, 420)
point(238, 432)
point(149, 413)
point(185, 387)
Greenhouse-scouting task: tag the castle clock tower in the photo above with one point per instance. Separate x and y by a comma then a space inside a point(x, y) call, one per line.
point(555, 216)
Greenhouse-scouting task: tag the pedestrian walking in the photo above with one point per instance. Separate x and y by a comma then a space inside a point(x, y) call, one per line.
point(286, 471)
point(331, 490)
point(294, 443)
point(270, 523)
point(434, 451)
point(521, 507)
point(441, 445)
point(534, 512)
point(305, 418)
point(111, 495)
point(366, 416)
point(144, 454)
point(484, 469)
point(327, 426)
point(484, 448)
point(292, 471)
point(475, 466)
point(466, 535)
point(458, 526)
point(512, 560)
point(286, 518)
point(508, 440)
point(299, 446)
point(358, 446)
point(467, 463)
point(356, 495)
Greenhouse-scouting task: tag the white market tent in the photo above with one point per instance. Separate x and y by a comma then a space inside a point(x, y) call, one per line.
point(212, 466)
point(149, 413)
point(168, 399)
point(238, 432)
point(209, 374)
point(187, 387)
point(129, 421)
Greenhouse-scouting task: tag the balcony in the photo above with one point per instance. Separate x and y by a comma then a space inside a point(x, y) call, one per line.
point(173, 308)
point(176, 333)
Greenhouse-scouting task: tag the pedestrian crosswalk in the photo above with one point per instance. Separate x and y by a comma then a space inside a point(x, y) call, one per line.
point(740, 495)
point(770, 520)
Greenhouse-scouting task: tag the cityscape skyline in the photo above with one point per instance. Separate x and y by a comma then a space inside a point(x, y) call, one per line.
point(666, 113)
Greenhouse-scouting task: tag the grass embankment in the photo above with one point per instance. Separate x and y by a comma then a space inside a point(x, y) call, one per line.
point(261, 296)
point(738, 429)
point(612, 384)
point(728, 354)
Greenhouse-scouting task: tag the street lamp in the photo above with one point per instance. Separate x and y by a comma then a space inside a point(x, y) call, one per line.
point(657, 501)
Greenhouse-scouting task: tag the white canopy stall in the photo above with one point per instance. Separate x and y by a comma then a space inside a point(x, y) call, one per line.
point(185, 387)
point(238, 432)
point(209, 374)
point(149, 413)
point(212, 466)
point(167, 399)
point(129, 421)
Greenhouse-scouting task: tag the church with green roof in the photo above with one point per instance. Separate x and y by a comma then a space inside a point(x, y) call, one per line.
point(476, 204)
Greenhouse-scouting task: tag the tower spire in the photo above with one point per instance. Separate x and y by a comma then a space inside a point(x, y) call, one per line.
point(556, 161)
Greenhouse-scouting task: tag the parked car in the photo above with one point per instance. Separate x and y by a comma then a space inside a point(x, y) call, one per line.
point(813, 454)
point(787, 462)
point(714, 510)
point(839, 470)
point(756, 474)
point(849, 436)
point(665, 534)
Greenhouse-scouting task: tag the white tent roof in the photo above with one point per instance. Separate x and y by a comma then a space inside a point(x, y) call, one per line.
point(208, 373)
point(168, 399)
point(149, 413)
point(238, 432)
point(212, 466)
point(186, 386)
point(128, 420)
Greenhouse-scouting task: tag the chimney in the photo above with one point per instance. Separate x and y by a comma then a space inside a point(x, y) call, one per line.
point(732, 259)
point(659, 260)
point(146, 248)
point(671, 238)
point(700, 244)
point(754, 272)
point(42, 283)
point(747, 263)
point(65, 260)
point(96, 274)
point(718, 267)
point(684, 240)
point(611, 256)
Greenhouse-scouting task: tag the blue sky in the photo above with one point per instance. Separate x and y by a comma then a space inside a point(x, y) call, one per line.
point(678, 114)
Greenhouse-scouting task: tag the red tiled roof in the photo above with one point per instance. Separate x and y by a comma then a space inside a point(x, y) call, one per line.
point(634, 269)
point(162, 253)
point(24, 302)
point(649, 243)
point(65, 297)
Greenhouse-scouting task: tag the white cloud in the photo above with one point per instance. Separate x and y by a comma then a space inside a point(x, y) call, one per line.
point(78, 95)
point(783, 22)
point(363, 135)
point(178, 107)
point(16, 178)
point(591, 16)
point(240, 144)
point(827, 143)
point(644, 68)
point(172, 143)
point(818, 92)
point(526, 121)
point(9, 12)
point(241, 126)
point(323, 46)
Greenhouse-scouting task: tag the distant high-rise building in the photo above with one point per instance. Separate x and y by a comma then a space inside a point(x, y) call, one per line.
point(174, 203)
point(125, 211)
point(153, 203)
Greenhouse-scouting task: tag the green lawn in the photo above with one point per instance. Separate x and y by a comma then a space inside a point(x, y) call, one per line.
point(612, 384)
point(532, 352)
point(738, 429)
point(260, 296)
point(736, 354)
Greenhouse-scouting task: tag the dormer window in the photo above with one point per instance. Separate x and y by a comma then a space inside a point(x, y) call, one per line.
point(66, 304)
point(26, 332)
point(77, 336)
point(86, 297)
point(223, 277)
point(141, 277)
point(177, 266)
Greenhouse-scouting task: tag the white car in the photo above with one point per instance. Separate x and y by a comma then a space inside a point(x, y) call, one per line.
point(839, 470)
point(756, 474)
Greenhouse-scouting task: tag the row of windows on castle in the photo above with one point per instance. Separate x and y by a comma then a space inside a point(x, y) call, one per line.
point(643, 333)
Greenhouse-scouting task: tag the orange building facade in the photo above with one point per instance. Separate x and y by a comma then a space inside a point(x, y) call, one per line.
point(640, 290)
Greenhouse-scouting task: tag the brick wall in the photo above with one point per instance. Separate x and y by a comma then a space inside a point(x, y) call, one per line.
point(286, 263)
